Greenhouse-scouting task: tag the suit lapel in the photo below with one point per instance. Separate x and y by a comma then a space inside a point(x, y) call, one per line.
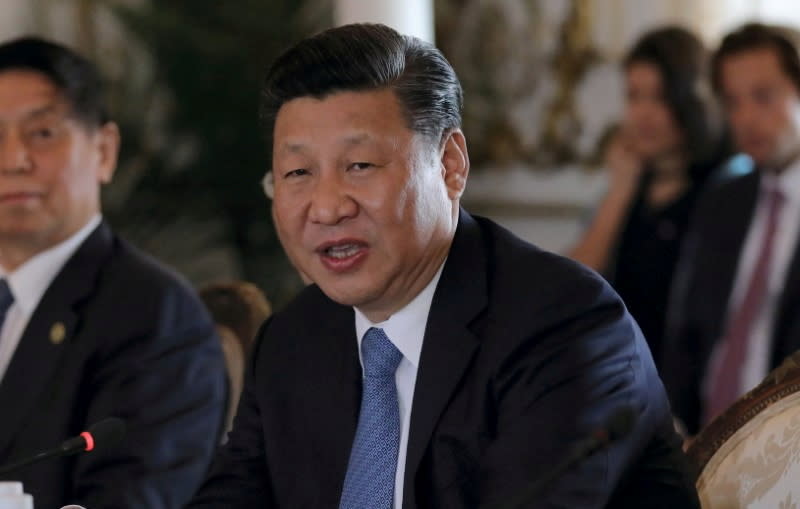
point(742, 198)
point(49, 332)
point(449, 345)
point(337, 364)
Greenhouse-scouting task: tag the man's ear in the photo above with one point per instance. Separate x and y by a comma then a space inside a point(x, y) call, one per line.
point(108, 139)
point(455, 163)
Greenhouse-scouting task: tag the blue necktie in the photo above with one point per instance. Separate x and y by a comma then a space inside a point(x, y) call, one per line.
point(373, 459)
point(6, 299)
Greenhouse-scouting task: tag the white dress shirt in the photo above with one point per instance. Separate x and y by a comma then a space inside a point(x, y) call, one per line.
point(406, 330)
point(28, 284)
point(759, 343)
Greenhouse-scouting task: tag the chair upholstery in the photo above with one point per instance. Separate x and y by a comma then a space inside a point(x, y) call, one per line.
point(749, 457)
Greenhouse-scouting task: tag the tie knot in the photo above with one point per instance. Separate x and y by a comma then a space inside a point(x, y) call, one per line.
point(6, 297)
point(380, 356)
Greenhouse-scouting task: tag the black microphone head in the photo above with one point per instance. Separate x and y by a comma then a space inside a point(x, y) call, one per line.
point(621, 423)
point(107, 432)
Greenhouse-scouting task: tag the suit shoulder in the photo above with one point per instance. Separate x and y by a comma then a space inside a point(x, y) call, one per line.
point(309, 329)
point(310, 299)
point(728, 190)
point(736, 175)
point(309, 314)
point(133, 265)
point(520, 267)
point(133, 285)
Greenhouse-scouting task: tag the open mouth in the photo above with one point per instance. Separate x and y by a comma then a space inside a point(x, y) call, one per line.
point(343, 255)
point(342, 251)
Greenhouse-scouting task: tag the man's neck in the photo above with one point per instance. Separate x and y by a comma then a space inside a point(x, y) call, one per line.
point(16, 250)
point(428, 271)
point(14, 254)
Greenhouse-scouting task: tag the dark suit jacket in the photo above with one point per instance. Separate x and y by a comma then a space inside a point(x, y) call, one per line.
point(703, 287)
point(138, 345)
point(524, 353)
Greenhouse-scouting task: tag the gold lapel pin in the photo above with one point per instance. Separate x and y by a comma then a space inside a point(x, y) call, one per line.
point(57, 333)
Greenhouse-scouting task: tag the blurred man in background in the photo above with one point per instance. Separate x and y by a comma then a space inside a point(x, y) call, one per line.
point(735, 315)
point(90, 327)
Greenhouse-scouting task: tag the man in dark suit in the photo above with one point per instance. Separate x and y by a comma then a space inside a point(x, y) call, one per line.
point(90, 328)
point(437, 361)
point(735, 306)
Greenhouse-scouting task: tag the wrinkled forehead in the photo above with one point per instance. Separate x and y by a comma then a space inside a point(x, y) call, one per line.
point(345, 139)
point(347, 119)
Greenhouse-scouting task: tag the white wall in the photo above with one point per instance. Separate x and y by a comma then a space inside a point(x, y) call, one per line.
point(410, 17)
point(15, 18)
point(551, 207)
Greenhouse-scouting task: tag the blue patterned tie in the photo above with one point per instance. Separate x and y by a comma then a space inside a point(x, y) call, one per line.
point(6, 299)
point(373, 459)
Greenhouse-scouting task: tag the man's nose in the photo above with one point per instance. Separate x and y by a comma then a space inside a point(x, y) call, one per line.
point(331, 201)
point(743, 117)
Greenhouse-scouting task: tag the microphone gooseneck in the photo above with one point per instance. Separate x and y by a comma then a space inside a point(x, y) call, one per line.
point(103, 434)
point(618, 426)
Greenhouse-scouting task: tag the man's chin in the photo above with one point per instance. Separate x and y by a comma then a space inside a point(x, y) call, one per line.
point(343, 297)
point(347, 295)
point(761, 159)
point(21, 232)
point(28, 233)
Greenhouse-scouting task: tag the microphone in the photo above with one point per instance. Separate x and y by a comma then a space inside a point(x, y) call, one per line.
point(618, 426)
point(102, 434)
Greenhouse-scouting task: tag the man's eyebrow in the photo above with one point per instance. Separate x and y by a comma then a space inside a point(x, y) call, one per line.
point(297, 147)
point(43, 111)
point(356, 139)
point(292, 148)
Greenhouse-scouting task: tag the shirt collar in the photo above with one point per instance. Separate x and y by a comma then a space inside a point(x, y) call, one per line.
point(788, 182)
point(406, 328)
point(31, 279)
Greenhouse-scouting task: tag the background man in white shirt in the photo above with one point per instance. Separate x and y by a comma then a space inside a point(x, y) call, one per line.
point(735, 310)
point(89, 327)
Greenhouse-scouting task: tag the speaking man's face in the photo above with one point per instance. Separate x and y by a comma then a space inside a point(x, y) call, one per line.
point(51, 166)
point(364, 206)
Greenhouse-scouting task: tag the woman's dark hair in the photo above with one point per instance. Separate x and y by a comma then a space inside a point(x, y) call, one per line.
point(682, 62)
point(74, 76)
point(362, 57)
point(784, 41)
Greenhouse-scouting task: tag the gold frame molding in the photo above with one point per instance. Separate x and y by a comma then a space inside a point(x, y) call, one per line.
point(783, 381)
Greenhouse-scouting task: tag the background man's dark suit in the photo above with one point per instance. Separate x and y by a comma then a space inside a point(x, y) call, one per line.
point(138, 345)
point(703, 286)
point(524, 353)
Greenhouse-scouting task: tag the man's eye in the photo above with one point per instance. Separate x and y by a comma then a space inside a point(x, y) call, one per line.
point(296, 173)
point(361, 166)
point(44, 133)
